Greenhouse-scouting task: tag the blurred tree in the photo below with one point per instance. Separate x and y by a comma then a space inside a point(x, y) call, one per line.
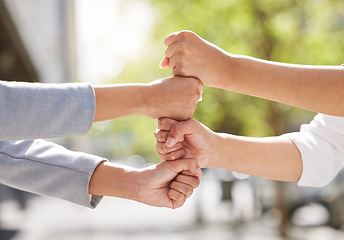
point(304, 32)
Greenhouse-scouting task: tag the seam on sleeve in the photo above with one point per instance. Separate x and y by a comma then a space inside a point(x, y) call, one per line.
point(48, 164)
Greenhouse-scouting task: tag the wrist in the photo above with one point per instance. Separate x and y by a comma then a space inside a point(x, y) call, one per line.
point(216, 142)
point(146, 105)
point(227, 71)
point(110, 179)
point(137, 99)
point(149, 102)
point(119, 100)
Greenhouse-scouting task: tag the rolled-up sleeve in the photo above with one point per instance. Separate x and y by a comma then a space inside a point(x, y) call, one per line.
point(48, 169)
point(321, 145)
point(36, 110)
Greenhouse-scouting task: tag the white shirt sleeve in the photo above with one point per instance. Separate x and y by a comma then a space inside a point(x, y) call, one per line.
point(321, 145)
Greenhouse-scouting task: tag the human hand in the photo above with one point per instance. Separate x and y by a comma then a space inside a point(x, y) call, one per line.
point(191, 56)
point(173, 97)
point(187, 139)
point(156, 188)
point(161, 185)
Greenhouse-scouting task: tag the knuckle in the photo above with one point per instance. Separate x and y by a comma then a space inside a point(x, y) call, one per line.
point(182, 51)
point(160, 122)
point(182, 35)
point(181, 198)
point(163, 148)
point(185, 34)
point(163, 136)
point(176, 129)
point(163, 124)
point(157, 146)
point(172, 156)
point(173, 185)
point(189, 192)
point(195, 183)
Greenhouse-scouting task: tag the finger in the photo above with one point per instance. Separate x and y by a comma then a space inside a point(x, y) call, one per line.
point(161, 136)
point(172, 63)
point(170, 39)
point(177, 197)
point(178, 130)
point(164, 62)
point(166, 123)
point(187, 179)
point(163, 149)
point(183, 188)
point(171, 50)
point(172, 155)
point(187, 172)
point(185, 164)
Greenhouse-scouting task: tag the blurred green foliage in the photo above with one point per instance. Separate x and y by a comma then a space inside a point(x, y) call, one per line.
point(293, 31)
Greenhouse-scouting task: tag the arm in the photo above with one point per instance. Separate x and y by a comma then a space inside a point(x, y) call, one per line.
point(48, 169)
point(160, 185)
point(274, 158)
point(321, 144)
point(174, 97)
point(316, 88)
point(313, 156)
point(35, 110)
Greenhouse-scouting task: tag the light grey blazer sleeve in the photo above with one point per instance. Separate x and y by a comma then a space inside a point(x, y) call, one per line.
point(36, 110)
point(48, 169)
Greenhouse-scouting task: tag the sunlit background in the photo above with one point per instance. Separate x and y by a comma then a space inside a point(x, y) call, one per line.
point(120, 41)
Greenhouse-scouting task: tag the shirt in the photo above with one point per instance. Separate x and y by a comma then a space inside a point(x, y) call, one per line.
point(321, 145)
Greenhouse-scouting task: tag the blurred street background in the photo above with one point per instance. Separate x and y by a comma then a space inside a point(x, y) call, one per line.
point(121, 41)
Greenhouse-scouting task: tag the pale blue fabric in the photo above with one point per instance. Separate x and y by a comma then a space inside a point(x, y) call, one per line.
point(35, 110)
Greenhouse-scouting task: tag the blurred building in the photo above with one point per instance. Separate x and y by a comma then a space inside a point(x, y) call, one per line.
point(37, 44)
point(37, 41)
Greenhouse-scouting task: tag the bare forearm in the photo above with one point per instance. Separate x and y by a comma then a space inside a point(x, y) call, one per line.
point(115, 101)
point(173, 97)
point(274, 158)
point(114, 180)
point(315, 88)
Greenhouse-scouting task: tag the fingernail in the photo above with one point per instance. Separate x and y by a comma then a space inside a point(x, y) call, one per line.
point(200, 173)
point(170, 142)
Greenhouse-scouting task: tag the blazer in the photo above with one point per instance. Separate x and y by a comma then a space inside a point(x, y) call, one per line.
point(29, 111)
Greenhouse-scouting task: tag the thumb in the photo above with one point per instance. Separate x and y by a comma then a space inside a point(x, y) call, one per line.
point(189, 164)
point(180, 129)
point(164, 62)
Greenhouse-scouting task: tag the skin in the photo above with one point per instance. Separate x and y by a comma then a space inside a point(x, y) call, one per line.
point(274, 158)
point(315, 88)
point(160, 185)
point(174, 97)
